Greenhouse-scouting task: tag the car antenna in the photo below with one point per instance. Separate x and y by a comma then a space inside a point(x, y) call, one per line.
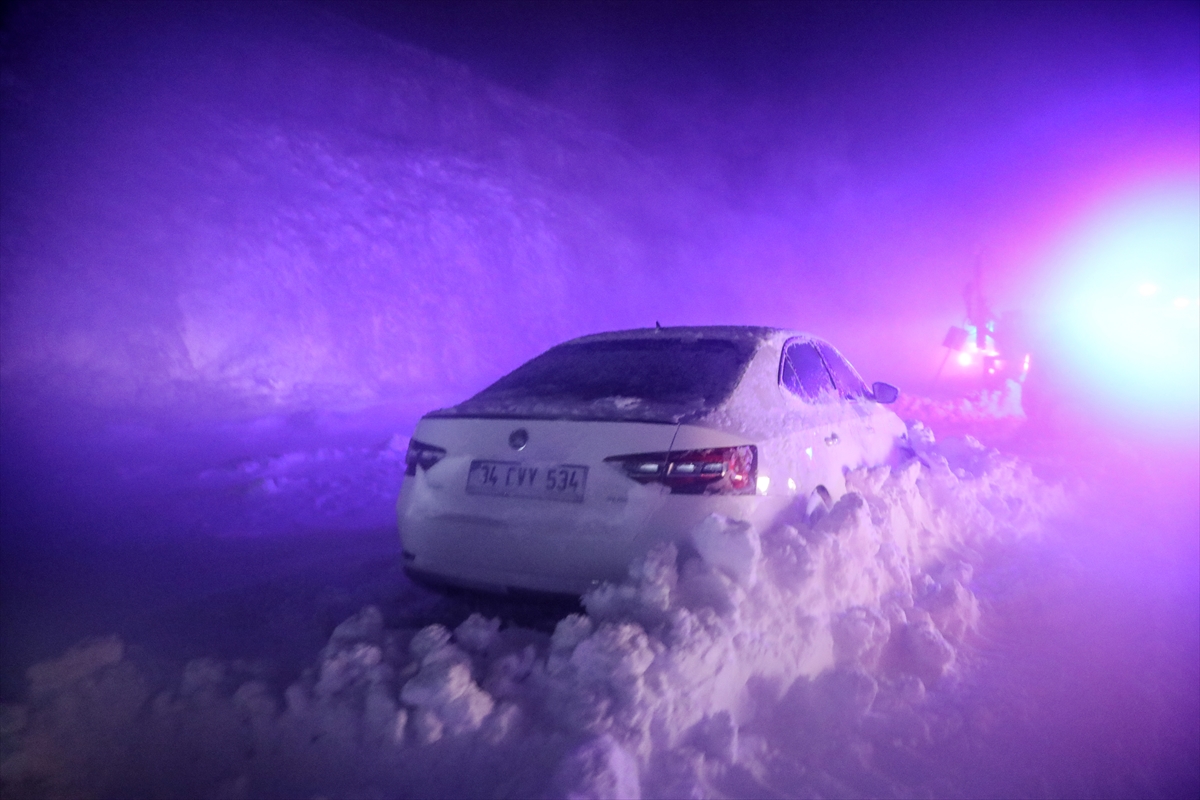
point(657, 325)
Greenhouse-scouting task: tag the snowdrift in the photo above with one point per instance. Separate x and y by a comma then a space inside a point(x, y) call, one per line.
point(796, 661)
point(997, 414)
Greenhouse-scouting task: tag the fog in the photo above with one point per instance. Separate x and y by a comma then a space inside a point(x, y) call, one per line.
point(243, 247)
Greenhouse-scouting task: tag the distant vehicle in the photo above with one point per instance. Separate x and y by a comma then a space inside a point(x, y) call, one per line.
point(562, 472)
point(989, 352)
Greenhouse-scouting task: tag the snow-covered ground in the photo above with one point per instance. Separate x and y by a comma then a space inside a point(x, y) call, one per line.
point(245, 245)
point(955, 626)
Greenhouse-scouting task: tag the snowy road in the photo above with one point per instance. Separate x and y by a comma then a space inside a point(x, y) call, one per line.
point(1053, 662)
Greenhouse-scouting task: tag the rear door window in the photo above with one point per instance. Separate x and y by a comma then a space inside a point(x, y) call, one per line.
point(803, 373)
point(849, 385)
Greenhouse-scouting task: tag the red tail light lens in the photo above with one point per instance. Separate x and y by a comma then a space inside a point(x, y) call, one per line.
point(421, 455)
point(717, 470)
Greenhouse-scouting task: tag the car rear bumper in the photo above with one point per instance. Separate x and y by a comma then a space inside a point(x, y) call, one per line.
point(453, 533)
point(556, 550)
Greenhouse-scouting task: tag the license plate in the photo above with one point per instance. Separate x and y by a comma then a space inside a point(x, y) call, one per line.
point(565, 482)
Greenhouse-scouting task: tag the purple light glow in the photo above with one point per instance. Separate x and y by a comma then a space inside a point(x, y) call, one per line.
point(1118, 323)
point(244, 245)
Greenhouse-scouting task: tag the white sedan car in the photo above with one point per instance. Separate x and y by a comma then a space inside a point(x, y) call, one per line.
point(562, 472)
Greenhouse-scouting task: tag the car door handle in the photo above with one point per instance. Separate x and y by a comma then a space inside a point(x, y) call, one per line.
point(832, 439)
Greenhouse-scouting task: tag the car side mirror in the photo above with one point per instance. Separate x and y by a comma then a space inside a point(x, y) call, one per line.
point(884, 392)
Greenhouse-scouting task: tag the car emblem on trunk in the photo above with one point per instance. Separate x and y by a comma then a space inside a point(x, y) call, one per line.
point(518, 439)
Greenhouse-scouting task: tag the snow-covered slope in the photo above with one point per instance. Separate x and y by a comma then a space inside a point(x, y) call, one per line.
point(226, 209)
point(240, 207)
point(237, 205)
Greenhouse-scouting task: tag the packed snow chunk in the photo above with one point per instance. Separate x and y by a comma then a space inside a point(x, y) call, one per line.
point(731, 664)
point(353, 663)
point(78, 662)
point(846, 517)
point(347, 705)
point(202, 676)
point(600, 686)
point(74, 738)
point(599, 769)
point(615, 655)
point(731, 546)
point(446, 695)
point(818, 504)
point(257, 708)
point(928, 653)
point(348, 668)
point(787, 559)
point(427, 726)
point(568, 633)
point(645, 597)
point(951, 607)
point(477, 633)
point(503, 724)
point(859, 636)
point(508, 673)
point(843, 696)
point(702, 586)
point(717, 737)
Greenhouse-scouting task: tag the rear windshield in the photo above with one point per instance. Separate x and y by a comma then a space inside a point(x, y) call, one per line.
point(663, 377)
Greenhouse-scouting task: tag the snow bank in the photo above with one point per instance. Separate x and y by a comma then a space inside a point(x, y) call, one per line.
point(997, 412)
point(338, 222)
point(740, 662)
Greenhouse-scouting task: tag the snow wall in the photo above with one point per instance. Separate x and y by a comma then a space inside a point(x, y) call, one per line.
point(263, 206)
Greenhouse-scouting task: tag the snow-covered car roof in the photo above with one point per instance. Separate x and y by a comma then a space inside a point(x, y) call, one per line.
point(731, 332)
point(748, 333)
point(580, 379)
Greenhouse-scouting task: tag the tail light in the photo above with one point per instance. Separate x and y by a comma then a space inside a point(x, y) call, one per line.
point(717, 470)
point(421, 455)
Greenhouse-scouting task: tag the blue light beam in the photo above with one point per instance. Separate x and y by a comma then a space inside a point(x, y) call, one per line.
point(1126, 315)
